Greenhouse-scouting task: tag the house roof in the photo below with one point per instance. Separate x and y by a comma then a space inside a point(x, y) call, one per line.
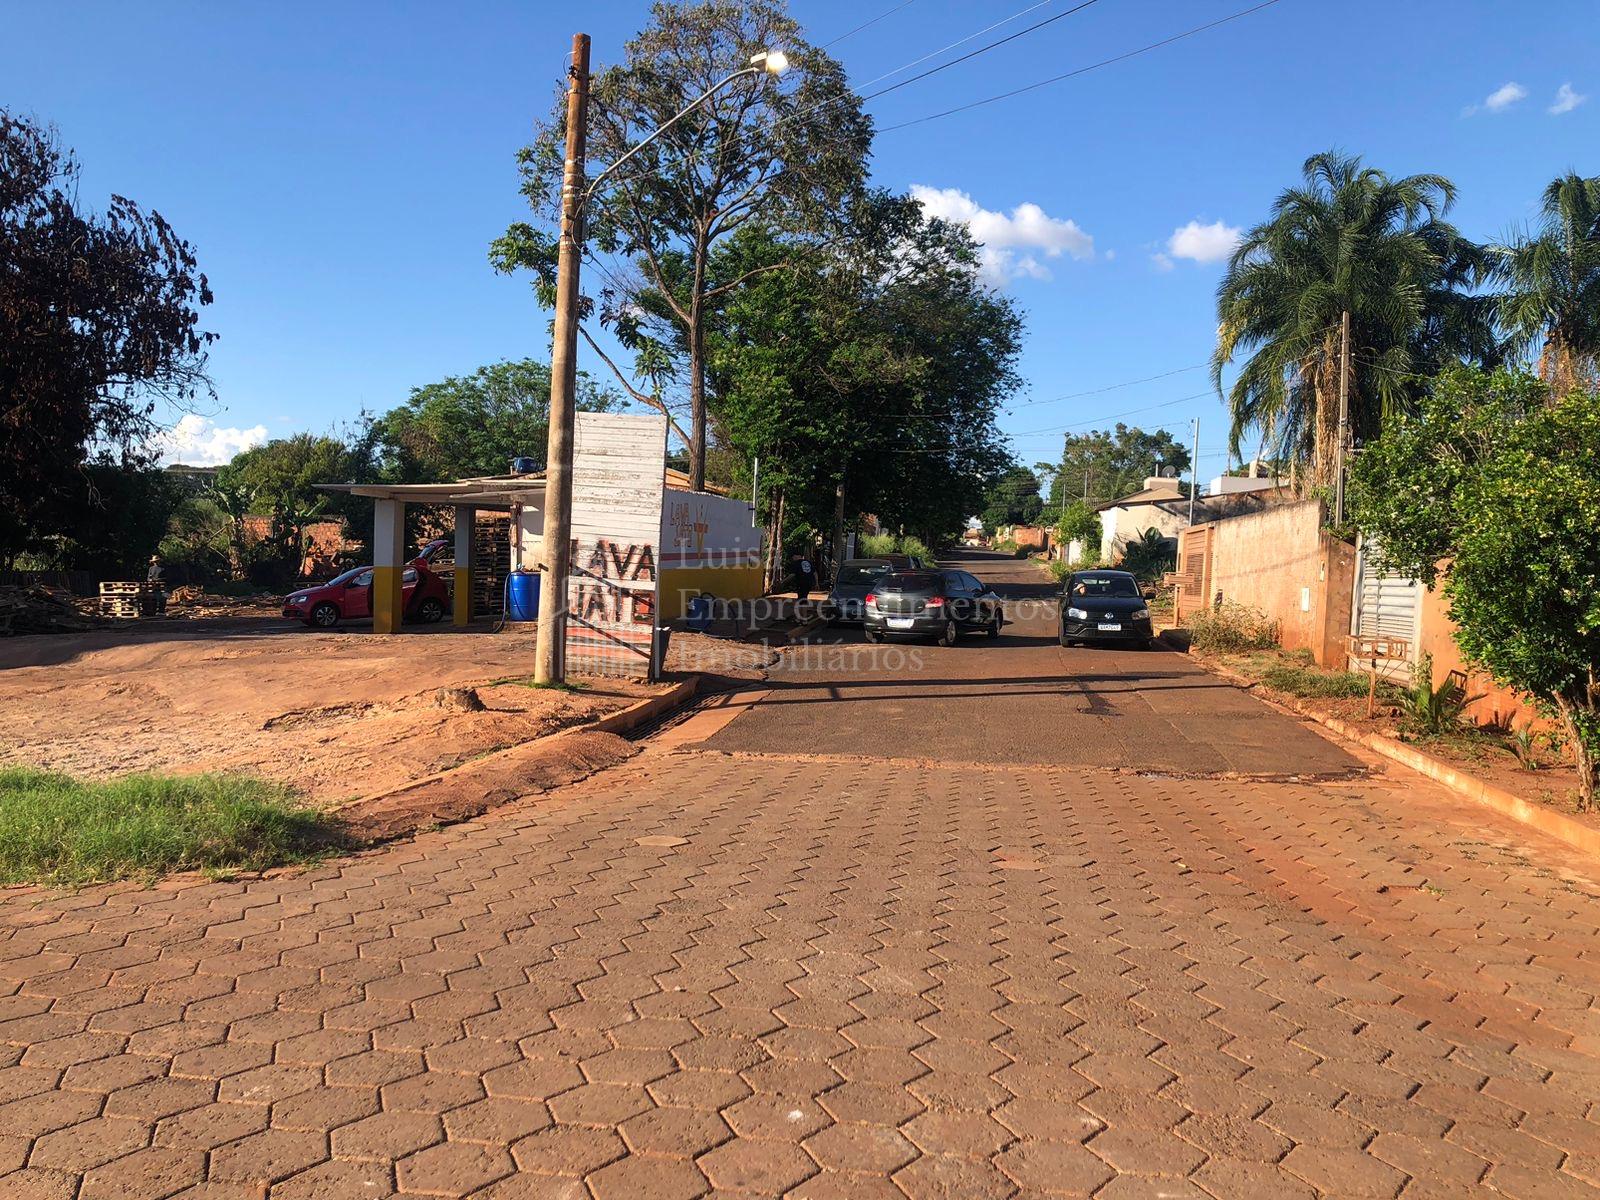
point(486, 491)
point(1160, 497)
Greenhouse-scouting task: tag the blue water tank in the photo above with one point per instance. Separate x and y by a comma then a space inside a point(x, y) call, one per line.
point(522, 596)
point(524, 466)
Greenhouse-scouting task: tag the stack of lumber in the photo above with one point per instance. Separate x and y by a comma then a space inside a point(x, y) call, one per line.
point(36, 609)
point(130, 599)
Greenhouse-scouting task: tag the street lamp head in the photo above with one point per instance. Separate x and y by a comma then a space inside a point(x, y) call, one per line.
point(773, 62)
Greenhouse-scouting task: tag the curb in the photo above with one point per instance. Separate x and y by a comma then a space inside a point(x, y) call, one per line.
point(1553, 824)
point(526, 769)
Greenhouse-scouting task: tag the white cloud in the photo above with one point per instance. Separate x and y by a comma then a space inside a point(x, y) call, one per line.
point(1502, 98)
point(200, 442)
point(1202, 243)
point(1566, 100)
point(1012, 246)
point(1162, 261)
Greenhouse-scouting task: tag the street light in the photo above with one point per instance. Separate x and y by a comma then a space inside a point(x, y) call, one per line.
point(550, 654)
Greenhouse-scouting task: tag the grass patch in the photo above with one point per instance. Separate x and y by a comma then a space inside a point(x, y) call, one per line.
point(61, 830)
point(528, 681)
point(1312, 684)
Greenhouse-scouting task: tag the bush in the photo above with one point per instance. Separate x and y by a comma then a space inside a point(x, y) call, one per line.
point(876, 545)
point(1233, 629)
point(1432, 711)
point(1310, 683)
point(58, 829)
point(916, 548)
point(1059, 569)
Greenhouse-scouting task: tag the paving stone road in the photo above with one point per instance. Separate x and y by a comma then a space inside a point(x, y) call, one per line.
point(724, 973)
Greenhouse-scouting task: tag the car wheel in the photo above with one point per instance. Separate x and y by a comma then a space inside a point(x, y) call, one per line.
point(325, 615)
point(873, 636)
point(948, 637)
point(994, 625)
point(1065, 640)
point(431, 611)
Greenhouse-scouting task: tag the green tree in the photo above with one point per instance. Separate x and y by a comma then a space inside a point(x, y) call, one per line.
point(1103, 464)
point(471, 425)
point(866, 375)
point(783, 152)
point(1501, 482)
point(1349, 239)
point(1080, 523)
point(1013, 499)
point(279, 480)
point(98, 318)
point(1551, 281)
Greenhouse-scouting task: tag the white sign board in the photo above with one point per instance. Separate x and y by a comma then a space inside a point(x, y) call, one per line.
point(618, 463)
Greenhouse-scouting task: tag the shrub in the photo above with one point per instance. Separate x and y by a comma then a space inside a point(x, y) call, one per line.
point(1059, 569)
point(58, 829)
point(876, 545)
point(1310, 683)
point(1434, 710)
point(1233, 629)
point(915, 547)
point(1149, 556)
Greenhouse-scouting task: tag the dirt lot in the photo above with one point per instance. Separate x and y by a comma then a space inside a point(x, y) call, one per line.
point(335, 714)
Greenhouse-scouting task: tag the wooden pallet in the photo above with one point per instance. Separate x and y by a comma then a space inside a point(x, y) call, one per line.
point(127, 600)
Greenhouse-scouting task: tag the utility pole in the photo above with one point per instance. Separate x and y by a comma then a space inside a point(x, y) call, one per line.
point(550, 657)
point(1194, 470)
point(1344, 419)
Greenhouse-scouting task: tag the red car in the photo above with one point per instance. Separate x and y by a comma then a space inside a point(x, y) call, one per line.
point(349, 597)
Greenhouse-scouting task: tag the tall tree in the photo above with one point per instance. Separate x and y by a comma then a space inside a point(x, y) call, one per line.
point(784, 152)
point(867, 373)
point(99, 317)
point(1106, 463)
point(280, 480)
point(1013, 499)
point(467, 425)
point(1551, 281)
point(1349, 239)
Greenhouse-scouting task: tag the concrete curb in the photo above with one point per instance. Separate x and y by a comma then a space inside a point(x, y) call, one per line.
point(541, 765)
point(1553, 824)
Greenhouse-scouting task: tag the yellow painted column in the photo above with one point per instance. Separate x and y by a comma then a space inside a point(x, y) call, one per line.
point(462, 603)
point(388, 545)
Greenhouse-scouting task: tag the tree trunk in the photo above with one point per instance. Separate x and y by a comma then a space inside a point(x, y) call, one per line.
point(838, 524)
point(1582, 752)
point(697, 373)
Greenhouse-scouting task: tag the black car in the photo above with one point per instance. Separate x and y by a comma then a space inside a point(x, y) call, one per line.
point(931, 604)
point(1104, 606)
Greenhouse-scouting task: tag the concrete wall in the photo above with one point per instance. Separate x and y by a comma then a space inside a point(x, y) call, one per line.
point(708, 544)
point(1121, 525)
point(1279, 560)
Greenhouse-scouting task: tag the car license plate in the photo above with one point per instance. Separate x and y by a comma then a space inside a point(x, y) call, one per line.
point(1112, 628)
point(899, 622)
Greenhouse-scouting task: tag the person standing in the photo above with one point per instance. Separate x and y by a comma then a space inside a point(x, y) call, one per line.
point(805, 577)
point(153, 584)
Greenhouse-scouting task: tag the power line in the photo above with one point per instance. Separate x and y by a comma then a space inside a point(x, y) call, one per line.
point(1110, 387)
point(1106, 62)
point(1132, 412)
point(971, 54)
point(868, 24)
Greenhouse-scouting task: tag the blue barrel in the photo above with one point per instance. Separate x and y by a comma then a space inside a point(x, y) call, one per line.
point(700, 612)
point(522, 598)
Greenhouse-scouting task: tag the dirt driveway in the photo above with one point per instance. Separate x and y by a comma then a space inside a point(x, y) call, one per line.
point(336, 714)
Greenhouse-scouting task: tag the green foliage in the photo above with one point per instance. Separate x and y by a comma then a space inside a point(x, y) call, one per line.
point(1551, 281)
point(1079, 523)
point(1149, 556)
point(1059, 569)
point(472, 425)
point(1307, 682)
point(1435, 709)
point(1013, 499)
point(200, 537)
point(1105, 464)
point(1525, 746)
point(785, 153)
point(876, 545)
point(1506, 484)
point(278, 481)
point(61, 830)
point(1349, 239)
point(99, 313)
point(1232, 629)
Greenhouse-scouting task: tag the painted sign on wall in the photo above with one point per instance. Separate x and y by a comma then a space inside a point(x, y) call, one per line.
point(618, 463)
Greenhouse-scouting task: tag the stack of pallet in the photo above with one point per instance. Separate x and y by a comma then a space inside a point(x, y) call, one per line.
point(35, 609)
point(127, 599)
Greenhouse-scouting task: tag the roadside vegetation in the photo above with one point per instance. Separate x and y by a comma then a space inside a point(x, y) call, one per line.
point(1232, 629)
point(57, 829)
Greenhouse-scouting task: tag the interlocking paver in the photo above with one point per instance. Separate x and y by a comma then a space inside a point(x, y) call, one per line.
point(1065, 982)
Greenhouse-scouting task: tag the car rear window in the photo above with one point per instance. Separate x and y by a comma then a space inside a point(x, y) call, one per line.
point(911, 581)
point(1105, 585)
point(852, 574)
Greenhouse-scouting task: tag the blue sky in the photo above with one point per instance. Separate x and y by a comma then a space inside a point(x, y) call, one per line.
point(342, 168)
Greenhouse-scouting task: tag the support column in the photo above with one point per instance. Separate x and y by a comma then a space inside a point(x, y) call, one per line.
point(466, 518)
point(388, 548)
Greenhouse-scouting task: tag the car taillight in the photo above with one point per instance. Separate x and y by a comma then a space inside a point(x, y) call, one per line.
point(934, 601)
point(872, 598)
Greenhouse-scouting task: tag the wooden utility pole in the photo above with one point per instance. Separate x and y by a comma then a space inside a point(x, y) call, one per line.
point(1194, 470)
point(1344, 419)
point(550, 659)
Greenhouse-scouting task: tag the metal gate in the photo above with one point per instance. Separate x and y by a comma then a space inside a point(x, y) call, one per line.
point(1387, 605)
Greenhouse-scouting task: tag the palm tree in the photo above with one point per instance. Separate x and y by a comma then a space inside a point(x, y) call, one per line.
point(1552, 285)
point(1349, 239)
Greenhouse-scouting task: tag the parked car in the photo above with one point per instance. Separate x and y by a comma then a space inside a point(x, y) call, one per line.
point(845, 602)
point(1104, 606)
point(348, 597)
point(930, 604)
